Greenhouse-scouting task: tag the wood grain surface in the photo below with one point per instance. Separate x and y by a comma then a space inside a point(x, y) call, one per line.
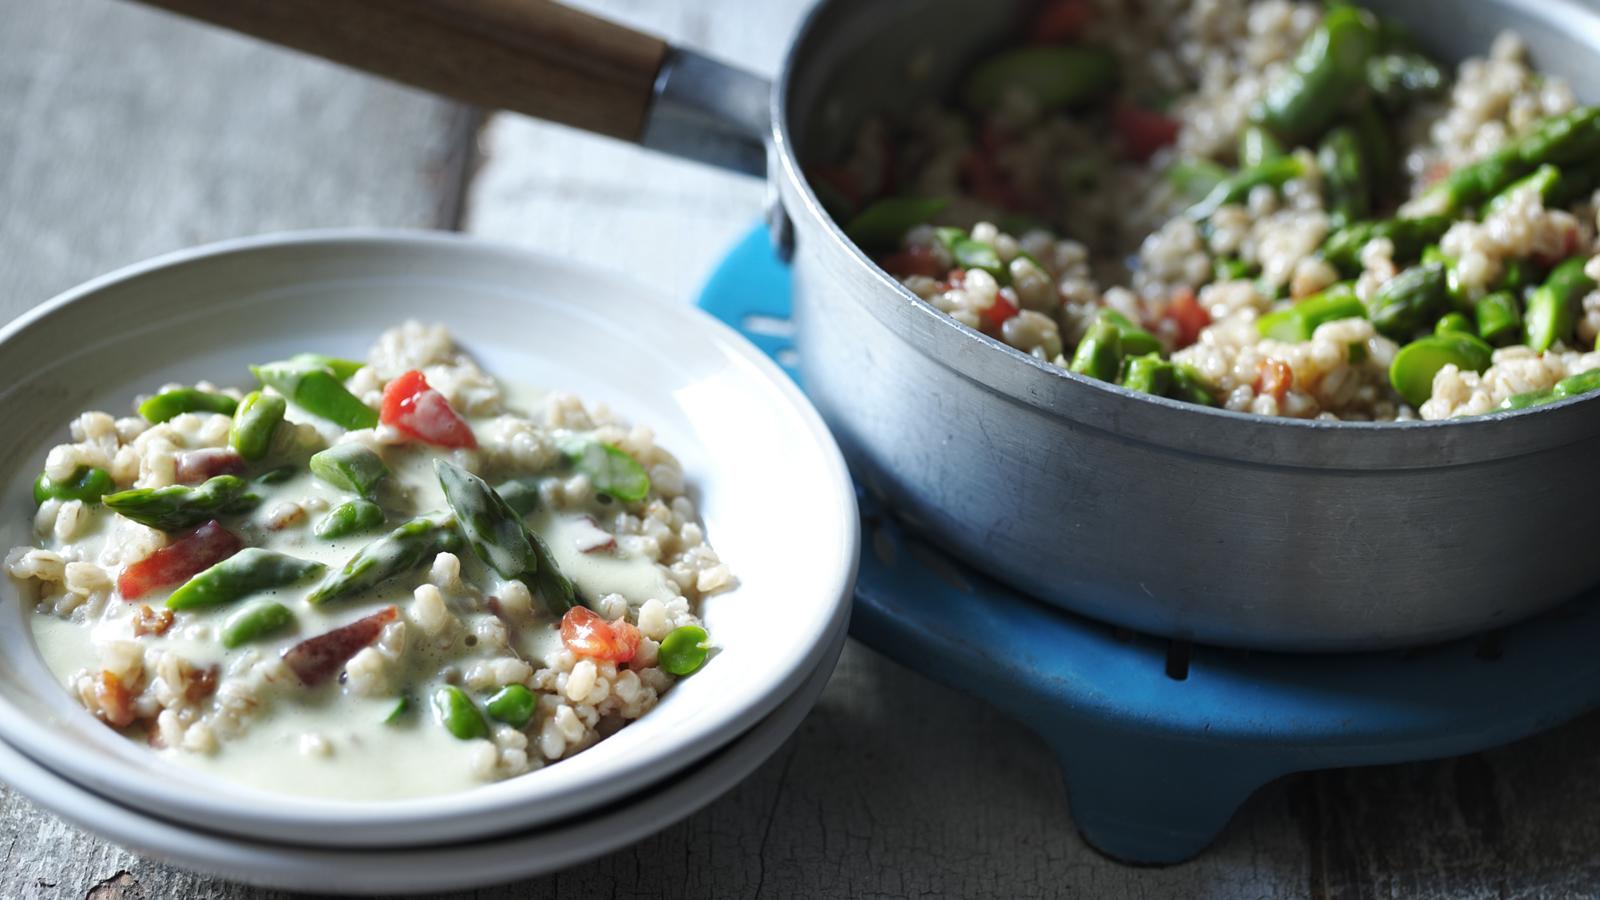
point(126, 133)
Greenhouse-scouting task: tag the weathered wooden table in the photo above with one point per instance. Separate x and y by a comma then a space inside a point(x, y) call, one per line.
point(125, 133)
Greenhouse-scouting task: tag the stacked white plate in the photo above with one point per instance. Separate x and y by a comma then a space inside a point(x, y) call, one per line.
point(767, 477)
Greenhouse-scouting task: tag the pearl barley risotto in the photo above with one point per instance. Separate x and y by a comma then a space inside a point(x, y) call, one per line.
point(366, 580)
point(1285, 208)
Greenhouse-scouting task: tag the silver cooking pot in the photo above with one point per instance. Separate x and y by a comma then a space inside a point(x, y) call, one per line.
point(1159, 516)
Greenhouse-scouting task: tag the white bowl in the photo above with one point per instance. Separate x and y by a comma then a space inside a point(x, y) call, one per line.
point(769, 481)
point(428, 869)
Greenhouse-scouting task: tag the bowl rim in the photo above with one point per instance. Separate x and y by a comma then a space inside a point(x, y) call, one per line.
point(287, 817)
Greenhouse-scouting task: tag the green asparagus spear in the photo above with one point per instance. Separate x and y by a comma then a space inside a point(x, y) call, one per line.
point(1235, 188)
point(1099, 354)
point(513, 705)
point(1499, 317)
point(1399, 78)
point(1149, 374)
point(88, 484)
point(1410, 302)
point(350, 466)
point(885, 222)
point(1231, 269)
point(317, 390)
point(455, 712)
point(167, 404)
point(1346, 187)
point(178, 506)
point(1258, 145)
point(1528, 398)
point(1541, 181)
point(247, 572)
point(255, 622)
point(350, 517)
point(1054, 77)
point(1330, 68)
point(1553, 307)
point(1343, 247)
point(1187, 385)
point(494, 532)
point(612, 471)
point(1414, 366)
point(972, 254)
point(1299, 322)
point(342, 369)
point(1573, 385)
point(1194, 177)
point(1517, 274)
point(1135, 340)
point(521, 494)
point(254, 423)
point(1569, 138)
point(401, 550)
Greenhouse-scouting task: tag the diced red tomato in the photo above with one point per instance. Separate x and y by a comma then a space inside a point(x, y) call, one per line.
point(114, 700)
point(416, 409)
point(1188, 315)
point(916, 260)
point(315, 660)
point(191, 553)
point(1060, 21)
point(996, 315)
point(1142, 131)
point(1273, 376)
point(586, 634)
point(195, 466)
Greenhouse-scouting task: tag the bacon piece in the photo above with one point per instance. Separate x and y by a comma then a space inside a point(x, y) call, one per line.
point(151, 621)
point(195, 466)
point(315, 660)
point(187, 555)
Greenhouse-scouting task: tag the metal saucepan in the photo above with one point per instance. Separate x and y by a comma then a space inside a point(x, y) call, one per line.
point(1167, 518)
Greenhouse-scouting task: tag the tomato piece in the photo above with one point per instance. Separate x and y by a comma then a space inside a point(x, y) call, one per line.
point(996, 315)
point(415, 409)
point(188, 555)
point(195, 466)
point(586, 634)
point(917, 260)
point(1142, 131)
point(1190, 317)
point(1060, 21)
point(1273, 376)
point(114, 700)
point(316, 659)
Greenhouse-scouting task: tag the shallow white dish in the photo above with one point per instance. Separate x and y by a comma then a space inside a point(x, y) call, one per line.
point(421, 870)
point(768, 479)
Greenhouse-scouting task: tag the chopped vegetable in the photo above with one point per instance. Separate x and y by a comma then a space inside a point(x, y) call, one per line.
point(249, 571)
point(350, 466)
point(1414, 366)
point(254, 423)
point(513, 705)
point(1300, 322)
point(1258, 145)
point(401, 550)
point(350, 517)
point(317, 390)
point(186, 556)
point(1552, 311)
point(1236, 188)
point(255, 622)
point(586, 634)
point(1189, 386)
point(417, 410)
point(402, 706)
point(1053, 77)
point(521, 494)
point(1573, 385)
point(1148, 374)
point(1499, 317)
point(196, 466)
point(1409, 236)
point(455, 712)
point(1401, 78)
point(88, 485)
point(1099, 354)
point(178, 506)
point(493, 530)
point(1135, 340)
point(612, 471)
point(1406, 304)
point(1455, 323)
point(683, 650)
point(1346, 182)
point(1194, 178)
point(1527, 399)
point(315, 660)
point(1188, 315)
point(884, 222)
point(1330, 68)
point(168, 404)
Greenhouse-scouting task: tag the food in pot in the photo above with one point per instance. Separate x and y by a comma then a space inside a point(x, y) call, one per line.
point(366, 580)
point(1274, 207)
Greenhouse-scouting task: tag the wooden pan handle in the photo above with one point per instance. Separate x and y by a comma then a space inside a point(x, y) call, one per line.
point(530, 56)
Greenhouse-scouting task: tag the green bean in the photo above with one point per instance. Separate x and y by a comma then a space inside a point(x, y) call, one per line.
point(612, 471)
point(493, 530)
point(1570, 138)
point(349, 517)
point(168, 404)
point(351, 466)
point(1299, 322)
point(1194, 177)
point(1346, 187)
point(255, 622)
point(1410, 237)
point(1552, 311)
point(1236, 188)
point(317, 390)
point(178, 506)
point(1330, 68)
point(249, 571)
point(683, 650)
point(514, 705)
point(402, 706)
point(521, 494)
point(1099, 354)
point(342, 369)
point(1541, 181)
point(884, 222)
point(1149, 374)
point(1499, 317)
point(1054, 77)
point(1455, 323)
point(554, 589)
point(1528, 398)
point(454, 710)
point(1414, 366)
point(254, 422)
point(88, 484)
point(1574, 385)
point(971, 254)
point(1189, 386)
point(1135, 340)
point(401, 550)
point(1407, 303)
point(1257, 145)
point(1398, 79)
